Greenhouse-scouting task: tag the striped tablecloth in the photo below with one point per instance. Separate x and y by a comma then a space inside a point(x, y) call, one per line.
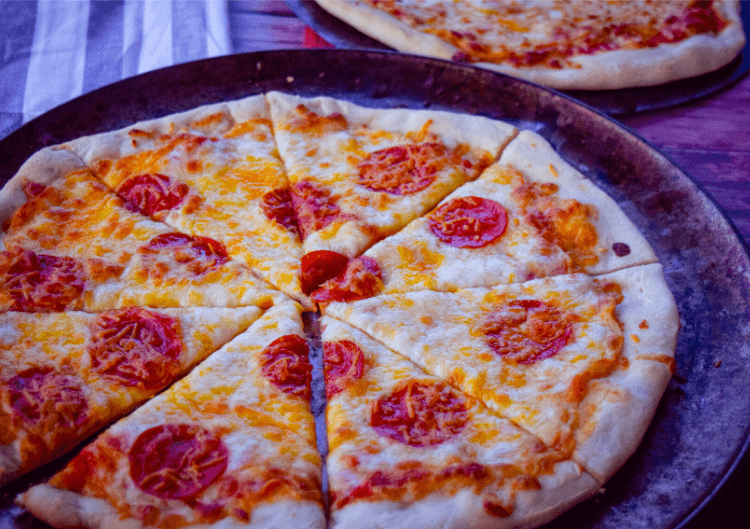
point(52, 51)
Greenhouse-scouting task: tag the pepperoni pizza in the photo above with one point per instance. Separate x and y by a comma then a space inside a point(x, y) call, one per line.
point(566, 44)
point(65, 375)
point(497, 333)
point(232, 441)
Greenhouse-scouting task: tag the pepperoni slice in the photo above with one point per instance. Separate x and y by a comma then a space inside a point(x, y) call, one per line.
point(286, 364)
point(315, 207)
point(33, 189)
point(46, 400)
point(468, 222)
point(343, 361)
point(361, 279)
point(277, 206)
point(43, 283)
point(136, 347)
point(176, 461)
point(420, 413)
point(526, 331)
point(403, 169)
point(198, 254)
point(152, 192)
point(318, 267)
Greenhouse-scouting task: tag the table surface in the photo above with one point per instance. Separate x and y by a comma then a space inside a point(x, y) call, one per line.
point(708, 138)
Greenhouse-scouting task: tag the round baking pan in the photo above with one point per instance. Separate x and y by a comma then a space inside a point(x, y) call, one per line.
point(701, 429)
point(612, 102)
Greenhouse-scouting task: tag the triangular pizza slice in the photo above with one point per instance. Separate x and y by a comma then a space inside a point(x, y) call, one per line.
point(407, 450)
point(73, 244)
point(529, 215)
point(221, 448)
point(211, 172)
point(63, 376)
point(560, 356)
point(360, 174)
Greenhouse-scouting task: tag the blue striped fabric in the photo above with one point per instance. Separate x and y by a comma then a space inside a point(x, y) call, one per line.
point(52, 51)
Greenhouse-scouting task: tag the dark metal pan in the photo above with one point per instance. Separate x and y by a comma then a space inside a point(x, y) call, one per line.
point(701, 429)
point(612, 102)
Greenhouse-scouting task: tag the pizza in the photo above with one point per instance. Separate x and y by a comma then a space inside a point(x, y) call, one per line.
point(233, 440)
point(67, 374)
point(491, 334)
point(423, 444)
point(580, 44)
point(529, 215)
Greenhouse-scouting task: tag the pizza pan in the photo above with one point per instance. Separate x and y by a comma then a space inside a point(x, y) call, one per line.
point(700, 433)
point(612, 102)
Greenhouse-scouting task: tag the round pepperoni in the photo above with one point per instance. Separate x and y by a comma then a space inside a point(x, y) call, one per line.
point(152, 192)
point(318, 267)
point(343, 361)
point(403, 169)
point(420, 413)
point(468, 222)
point(136, 347)
point(286, 364)
point(361, 279)
point(176, 461)
point(526, 331)
point(198, 254)
point(315, 207)
point(277, 206)
point(46, 400)
point(43, 283)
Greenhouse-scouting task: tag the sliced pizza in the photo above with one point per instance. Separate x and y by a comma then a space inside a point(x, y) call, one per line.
point(529, 215)
point(63, 376)
point(568, 44)
point(557, 356)
point(72, 244)
point(221, 448)
point(360, 174)
point(407, 450)
point(210, 172)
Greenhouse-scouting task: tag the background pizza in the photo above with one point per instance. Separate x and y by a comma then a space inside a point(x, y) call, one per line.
point(345, 281)
point(562, 44)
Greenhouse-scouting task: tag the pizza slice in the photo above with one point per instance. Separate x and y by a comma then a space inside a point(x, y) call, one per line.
point(221, 448)
point(565, 44)
point(63, 376)
point(407, 450)
point(561, 357)
point(210, 172)
point(529, 215)
point(72, 244)
point(359, 174)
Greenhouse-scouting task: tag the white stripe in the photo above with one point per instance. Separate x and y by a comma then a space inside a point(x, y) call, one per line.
point(130, 38)
point(156, 48)
point(58, 55)
point(217, 28)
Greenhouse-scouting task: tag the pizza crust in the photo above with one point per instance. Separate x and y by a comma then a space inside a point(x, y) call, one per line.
point(63, 509)
point(465, 510)
point(618, 409)
point(601, 71)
